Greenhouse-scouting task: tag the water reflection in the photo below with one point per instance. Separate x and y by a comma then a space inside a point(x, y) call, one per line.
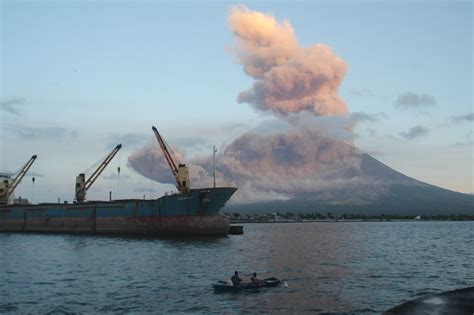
point(329, 267)
point(311, 258)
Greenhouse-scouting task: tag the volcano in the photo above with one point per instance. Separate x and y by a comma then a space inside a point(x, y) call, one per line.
point(379, 189)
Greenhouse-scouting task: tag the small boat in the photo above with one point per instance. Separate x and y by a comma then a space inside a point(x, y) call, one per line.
point(227, 286)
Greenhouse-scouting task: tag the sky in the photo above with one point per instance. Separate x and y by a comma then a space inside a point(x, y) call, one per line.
point(78, 78)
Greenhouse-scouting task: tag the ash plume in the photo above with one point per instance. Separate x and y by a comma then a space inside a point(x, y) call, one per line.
point(283, 165)
point(294, 154)
point(150, 162)
point(266, 165)
point(289, 78)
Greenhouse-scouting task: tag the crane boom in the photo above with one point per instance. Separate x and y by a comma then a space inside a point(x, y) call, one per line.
point(82, 185)
point(166, 153)
point(8, 188)
point(180, 173)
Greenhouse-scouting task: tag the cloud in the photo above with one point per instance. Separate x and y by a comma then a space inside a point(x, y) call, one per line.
point(356, 118)
point(469, 117)
point(298, 153)
point(364, 117)
point(464, 144)
point(150, 162)
point(361, 92)
point(190, 142)
point(390, 136)
point(372, 132)
point(413, 100)
point(12, 106)
point(289, 78)
point(46, 133)
point(306, 147)
point(338, 127)
point(414, 132)
point(266, 166)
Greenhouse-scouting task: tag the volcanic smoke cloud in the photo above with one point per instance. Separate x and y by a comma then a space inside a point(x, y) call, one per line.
point(302, 153)
point(289, 78)
point(282, 165)
point(267, 166)
point(151, 163)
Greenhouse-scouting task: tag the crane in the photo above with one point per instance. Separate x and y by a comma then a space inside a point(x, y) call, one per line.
point(7, 188)
point(180, 173)
point(82, 185)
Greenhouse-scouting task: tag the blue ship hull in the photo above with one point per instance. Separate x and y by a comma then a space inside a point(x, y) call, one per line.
point(193, 213)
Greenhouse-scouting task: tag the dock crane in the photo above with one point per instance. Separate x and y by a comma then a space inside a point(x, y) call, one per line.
point(7, 188)
point(180, 173)
point(82, 185)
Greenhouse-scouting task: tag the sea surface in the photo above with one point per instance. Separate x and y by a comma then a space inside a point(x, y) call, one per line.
point(338, 267)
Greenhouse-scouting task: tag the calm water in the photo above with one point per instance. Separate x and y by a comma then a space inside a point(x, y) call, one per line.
point(329, 267)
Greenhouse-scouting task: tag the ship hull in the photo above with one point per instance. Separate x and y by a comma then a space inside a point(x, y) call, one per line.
point(195, 213)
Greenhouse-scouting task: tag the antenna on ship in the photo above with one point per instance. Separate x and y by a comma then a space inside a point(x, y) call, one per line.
point(32, 189)
point(214, 156)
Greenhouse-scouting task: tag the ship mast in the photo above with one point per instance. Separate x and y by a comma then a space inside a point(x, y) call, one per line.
point(82, 185)
point(180, 173)
point(6, 189)
point(214, 151)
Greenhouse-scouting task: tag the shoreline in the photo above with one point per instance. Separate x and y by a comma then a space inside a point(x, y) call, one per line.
point(347, 221)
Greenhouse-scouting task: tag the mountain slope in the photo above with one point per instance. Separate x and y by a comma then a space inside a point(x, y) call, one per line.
point(374, 189)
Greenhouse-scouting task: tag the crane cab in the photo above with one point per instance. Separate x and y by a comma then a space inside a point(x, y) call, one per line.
point(9, 183)
point(183, 177)
point(4, 187)
point(80, 187)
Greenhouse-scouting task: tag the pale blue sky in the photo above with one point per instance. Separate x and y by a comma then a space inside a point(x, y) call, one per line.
point(77, 77)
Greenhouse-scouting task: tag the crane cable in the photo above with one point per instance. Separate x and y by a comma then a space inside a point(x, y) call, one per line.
point(87, 170)
point(118, 170)
point(173, 154)
point(16, 172)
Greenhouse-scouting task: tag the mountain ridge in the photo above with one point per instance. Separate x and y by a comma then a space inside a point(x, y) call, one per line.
point(376, 189)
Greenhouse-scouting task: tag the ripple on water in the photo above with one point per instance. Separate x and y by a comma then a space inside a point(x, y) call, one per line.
point(8, 307)
point(345, 268)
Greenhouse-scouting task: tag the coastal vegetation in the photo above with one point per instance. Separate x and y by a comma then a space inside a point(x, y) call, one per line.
point(329, 217)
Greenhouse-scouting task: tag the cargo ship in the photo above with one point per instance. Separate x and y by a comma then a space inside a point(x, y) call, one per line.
point(189, 212)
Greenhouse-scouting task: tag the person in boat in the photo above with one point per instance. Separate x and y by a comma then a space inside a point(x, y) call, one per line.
point(255, 281)
point(235, 279)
